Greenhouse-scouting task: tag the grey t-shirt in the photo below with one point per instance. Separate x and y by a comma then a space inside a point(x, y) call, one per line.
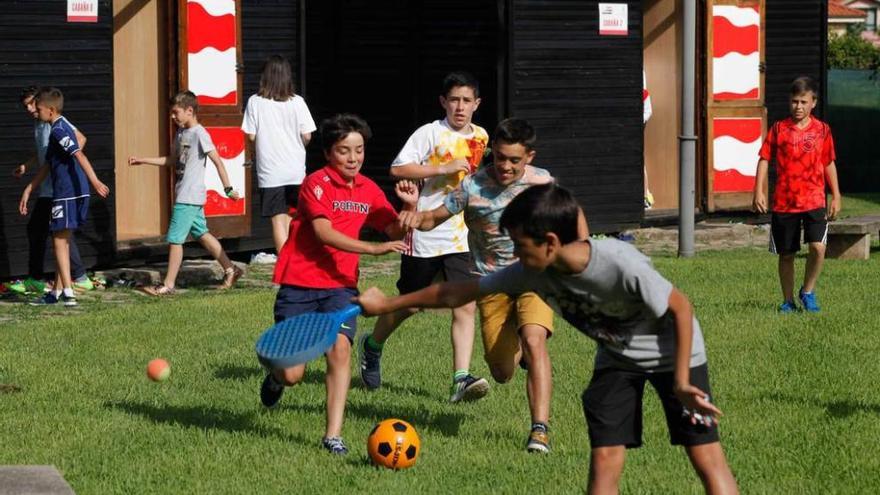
point(619, 300)
point(192, 146)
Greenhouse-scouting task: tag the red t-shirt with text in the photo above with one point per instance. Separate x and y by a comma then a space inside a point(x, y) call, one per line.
point(801, 156)
point(307, 262)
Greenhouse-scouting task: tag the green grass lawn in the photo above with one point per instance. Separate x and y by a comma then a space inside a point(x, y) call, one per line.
point(799, 392)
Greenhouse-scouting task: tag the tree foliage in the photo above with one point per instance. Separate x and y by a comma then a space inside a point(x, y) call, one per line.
point(851, 51)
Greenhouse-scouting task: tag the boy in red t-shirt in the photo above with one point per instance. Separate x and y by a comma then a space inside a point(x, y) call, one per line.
point(317, 268)
point(803, 149)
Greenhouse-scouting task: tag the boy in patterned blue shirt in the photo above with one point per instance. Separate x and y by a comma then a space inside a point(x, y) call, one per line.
point(69, 168)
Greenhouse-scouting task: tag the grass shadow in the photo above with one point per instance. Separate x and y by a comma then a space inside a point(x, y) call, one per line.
point(206, 418)
point(446, 424)
point(835, 408)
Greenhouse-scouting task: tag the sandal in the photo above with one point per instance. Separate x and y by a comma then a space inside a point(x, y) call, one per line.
point(159, 290)
point(232, 275)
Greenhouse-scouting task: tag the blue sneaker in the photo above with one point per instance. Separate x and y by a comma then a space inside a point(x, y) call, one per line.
point(808, 299)
point(370, 363)
point(47, 299)
point(334, 445)
point(788, 307)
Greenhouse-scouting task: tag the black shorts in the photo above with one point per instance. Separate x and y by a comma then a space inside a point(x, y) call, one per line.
point(418, 273)
point(785, 230)
point(293, 301)
point(613, 408)
point(278, 200)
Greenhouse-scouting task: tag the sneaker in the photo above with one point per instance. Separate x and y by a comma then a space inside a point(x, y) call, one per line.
point(539, 441)
point(84, 283)
point(808, 300)
point(788, 307)
point(17, 286)
point(649, 200)
point(335, 445)
point(68, 301)
point(232, 275)
point(370, 364)
point(47, 299)
point(469, 388)
point(271, 391)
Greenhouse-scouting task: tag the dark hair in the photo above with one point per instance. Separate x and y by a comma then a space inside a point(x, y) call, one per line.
point(515, 131)
point(276, 81)
point(542, 209)
point(29, 92)
point(186, 99)
point(337, 127)
point(803, 84)
point(457, 79)
point(50, 97)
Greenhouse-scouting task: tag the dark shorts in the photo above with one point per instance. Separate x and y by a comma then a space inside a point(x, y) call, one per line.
point(785, 230)
point(278, 200)
point(613, 408)
point(418, 273)
point(68, 214)
point(293, 301)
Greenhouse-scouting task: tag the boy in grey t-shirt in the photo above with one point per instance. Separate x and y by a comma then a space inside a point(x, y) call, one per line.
point(192, 150)
point(645, 328)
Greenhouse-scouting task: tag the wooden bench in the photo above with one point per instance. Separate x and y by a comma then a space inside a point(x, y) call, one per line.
point(850, 238)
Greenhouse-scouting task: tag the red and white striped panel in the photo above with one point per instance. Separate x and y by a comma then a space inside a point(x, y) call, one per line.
point(211, 49)
point(736, 57)
point(229, 142)
point(736, 143)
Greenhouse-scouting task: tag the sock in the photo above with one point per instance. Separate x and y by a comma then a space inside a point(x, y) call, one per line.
point(459, 375)
point(372, 344)
point(539, 426)
point(56, 292)
point(68, 292)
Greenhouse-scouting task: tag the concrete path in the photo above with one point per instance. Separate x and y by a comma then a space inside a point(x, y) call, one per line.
point(32, 480)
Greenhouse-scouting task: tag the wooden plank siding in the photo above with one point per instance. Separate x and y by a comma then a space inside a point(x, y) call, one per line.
point(583, 94)
point(796, 46)
point(39, 47)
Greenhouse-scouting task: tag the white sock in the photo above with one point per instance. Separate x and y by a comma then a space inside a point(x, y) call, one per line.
point(68, 292)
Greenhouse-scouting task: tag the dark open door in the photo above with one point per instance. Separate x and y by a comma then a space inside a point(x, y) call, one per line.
point(209, 65)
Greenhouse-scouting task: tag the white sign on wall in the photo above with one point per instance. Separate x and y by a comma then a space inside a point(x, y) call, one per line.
point(82, 10)
point(613, 19)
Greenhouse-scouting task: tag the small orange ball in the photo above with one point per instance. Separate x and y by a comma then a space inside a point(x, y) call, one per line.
point(158, 370)
point(394, 444)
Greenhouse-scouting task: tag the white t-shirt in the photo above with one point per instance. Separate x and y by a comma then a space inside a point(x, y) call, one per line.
point(433, 145)
point(278, 126)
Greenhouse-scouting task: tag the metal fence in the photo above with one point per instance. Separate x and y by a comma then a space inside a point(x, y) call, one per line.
point(853, 111)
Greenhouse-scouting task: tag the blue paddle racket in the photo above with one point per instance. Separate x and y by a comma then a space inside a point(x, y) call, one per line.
point(300, 339)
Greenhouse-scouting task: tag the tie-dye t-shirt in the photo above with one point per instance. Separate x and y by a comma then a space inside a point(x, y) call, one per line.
point(433, 145)
point(483, 200)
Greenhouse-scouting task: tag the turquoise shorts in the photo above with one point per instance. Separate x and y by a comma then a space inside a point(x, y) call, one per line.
point(186, 219)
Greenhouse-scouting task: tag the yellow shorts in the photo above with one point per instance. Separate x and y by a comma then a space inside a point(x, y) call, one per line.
point(501, 317)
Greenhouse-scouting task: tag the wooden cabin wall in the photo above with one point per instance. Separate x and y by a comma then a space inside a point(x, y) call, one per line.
point(796, 46)
point(583, 94)
point(39, 47)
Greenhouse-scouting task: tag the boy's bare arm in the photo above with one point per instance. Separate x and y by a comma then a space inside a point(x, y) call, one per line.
point(42, 173)
point(690, 396)
point(306, 137)
point(19, 171)
point(831, 180)
point(159, 161)
point(759, 197)
point(444, 295)
point(325, 233)
point(416, 171)
point(86, 165)
point(424, 220)
point(80, 139)
point(221, 171)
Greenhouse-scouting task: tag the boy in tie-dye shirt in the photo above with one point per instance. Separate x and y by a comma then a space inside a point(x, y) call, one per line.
point(438, 155)
point(514, 329)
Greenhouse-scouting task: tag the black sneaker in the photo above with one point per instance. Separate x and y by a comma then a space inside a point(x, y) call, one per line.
point(45, 300)
point(370, 364)
point(68, 301)
point(469, 388)
point(335, 445)
point(271, 391)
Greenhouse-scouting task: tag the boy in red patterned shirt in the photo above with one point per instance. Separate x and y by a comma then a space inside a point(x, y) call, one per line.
point(803, 150)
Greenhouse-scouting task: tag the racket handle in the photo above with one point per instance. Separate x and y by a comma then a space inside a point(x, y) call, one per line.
point(349, 312)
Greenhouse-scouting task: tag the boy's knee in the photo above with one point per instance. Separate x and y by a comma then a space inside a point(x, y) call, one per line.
point(501, 373)
point(340, 353)
point(817, 247)
point(290, 376)
point(469, 310)
point(535, 343)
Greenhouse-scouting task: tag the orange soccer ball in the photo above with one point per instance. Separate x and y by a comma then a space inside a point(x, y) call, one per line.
point(158, 370)
point(394, 444)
